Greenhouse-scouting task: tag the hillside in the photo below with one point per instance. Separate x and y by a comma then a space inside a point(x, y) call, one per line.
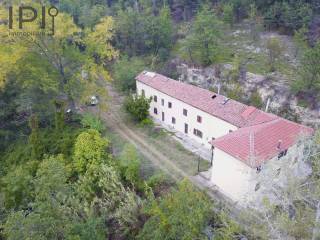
point(81, 156)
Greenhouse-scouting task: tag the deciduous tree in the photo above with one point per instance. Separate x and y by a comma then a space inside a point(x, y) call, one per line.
point(204, 40)
point(90, 149)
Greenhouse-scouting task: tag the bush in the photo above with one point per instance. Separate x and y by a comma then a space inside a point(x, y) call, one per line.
point(130, 165)
point(146, 123)
point(256, 100)
point(89, 148)
point(138, 107)
point(236, 92)
point(90, 121)
point(160, 183)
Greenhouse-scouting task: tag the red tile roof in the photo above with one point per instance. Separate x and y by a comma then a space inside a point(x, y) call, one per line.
point(262, 130)
point(200, 98)
point(256, 144)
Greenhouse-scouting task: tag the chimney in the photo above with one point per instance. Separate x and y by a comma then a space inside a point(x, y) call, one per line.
point(267, 106)
point(279, 145)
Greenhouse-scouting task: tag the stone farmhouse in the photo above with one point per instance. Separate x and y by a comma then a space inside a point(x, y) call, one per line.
point(242, 138)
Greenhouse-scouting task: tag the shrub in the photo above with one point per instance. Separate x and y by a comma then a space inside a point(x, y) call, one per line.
point(138, 107)
point(146, 123)
point(160, 183)
point(90, 148)
point(256, 100)
point(90, 121)
point(130, 165)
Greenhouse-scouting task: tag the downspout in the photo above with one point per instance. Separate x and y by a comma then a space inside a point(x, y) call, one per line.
point(212, 155)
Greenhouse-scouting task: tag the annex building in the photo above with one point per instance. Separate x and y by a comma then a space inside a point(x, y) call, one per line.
point(242, 138)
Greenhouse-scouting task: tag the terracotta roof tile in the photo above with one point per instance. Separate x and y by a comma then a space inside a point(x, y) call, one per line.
point(200, 98)
point(255, 145)
point(262, 130)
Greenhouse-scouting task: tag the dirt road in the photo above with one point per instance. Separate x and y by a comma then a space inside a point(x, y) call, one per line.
point(164, 158)
point(114, 120)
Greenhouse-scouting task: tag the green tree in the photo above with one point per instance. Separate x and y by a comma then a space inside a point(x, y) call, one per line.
point(90, 148)
point(90, 228)
point(255, 22)
point(182, 214)
point(130, 31)
point(228, 14)
point(92, 122)
point(34, 139)
point(138, 107)
point(256, 100)
point(139, 31)
point(308, 81)
point(288, 15)
point(274, 51)
point(236, 92)
point(89, 16)
point(77, 58)
point(17, 188)
point(124, 72)
point(300, 39)
point(159, 31)
point(130, 165)
point(59, 115)
point(203, 43)
point(49, 212)
point(100, 188)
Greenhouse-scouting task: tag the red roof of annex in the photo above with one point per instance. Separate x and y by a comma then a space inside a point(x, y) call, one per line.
point(267, 129)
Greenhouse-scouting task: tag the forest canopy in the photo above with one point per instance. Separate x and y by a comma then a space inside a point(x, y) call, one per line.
point(62, 175)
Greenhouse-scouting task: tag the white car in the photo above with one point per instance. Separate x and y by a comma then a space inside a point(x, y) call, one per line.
point(94, 100)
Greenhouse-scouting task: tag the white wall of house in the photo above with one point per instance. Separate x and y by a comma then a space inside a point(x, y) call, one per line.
point(239, 181)
point(233, 177)
point(210, 126)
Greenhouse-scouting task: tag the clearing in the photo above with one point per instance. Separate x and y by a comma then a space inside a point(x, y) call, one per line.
point(157, 148)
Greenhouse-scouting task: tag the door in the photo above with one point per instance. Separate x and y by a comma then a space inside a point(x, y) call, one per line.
point(186, 128)
point(163, 116)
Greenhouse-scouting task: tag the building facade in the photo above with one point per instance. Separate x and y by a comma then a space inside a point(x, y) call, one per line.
point(241, 137)
point(185, 118)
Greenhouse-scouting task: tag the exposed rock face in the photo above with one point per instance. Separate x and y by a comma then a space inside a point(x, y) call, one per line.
point(273, 87)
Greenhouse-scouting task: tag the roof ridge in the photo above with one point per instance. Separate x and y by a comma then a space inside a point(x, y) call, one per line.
point(234, 112)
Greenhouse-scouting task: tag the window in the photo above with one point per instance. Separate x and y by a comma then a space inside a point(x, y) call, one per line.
point(173, 120)
point(185, 112)
point(199, 119)
point(162, 102)
point(230, 131)
point(169, 105)
point(155, 111)
point(142, 92)
point(163, 116)
point(197, 132)
point(186, 128)
point(155, 99)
